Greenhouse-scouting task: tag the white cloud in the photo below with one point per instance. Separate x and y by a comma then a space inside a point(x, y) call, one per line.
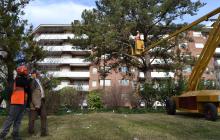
point(38, 12)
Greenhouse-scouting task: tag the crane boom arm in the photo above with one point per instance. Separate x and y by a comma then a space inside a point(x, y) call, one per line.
point(207, 52)
point(205, 17)
point(205, 56)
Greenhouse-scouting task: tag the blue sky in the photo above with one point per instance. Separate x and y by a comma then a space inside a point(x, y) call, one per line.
point(65, 11)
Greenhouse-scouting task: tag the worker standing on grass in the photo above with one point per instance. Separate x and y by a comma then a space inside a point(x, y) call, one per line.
point(18, 102)
point(37, 105)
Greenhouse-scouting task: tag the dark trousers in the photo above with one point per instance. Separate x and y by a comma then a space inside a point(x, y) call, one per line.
point(15, 116)
point(43, 118)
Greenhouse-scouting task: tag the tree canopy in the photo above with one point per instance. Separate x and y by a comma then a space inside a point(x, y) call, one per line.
point(109, 25)
point(16, 38)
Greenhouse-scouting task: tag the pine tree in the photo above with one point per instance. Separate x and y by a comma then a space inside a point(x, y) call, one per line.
point(16, 40)
point(109, 25)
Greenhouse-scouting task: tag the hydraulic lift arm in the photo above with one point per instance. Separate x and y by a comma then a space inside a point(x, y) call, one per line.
point(204, 18)
point(205, 56)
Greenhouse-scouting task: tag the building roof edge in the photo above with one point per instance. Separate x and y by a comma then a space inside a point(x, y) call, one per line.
point(49, 25)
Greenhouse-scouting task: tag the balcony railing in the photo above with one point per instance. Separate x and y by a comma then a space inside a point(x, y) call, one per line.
point(217, 62)
point(162, 74)
point(57, 36)
point(160, 61)
point(66, 48)
point(77, 87)
point(69, 74)
point(158, 74)
point(217, 50)
point(54, 37)
point(70, 61)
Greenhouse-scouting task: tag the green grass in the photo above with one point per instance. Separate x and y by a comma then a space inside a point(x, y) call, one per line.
point(113, 126)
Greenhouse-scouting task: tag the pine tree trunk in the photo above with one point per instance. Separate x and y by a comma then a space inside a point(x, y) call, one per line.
point(147, 73)
point(10, 81)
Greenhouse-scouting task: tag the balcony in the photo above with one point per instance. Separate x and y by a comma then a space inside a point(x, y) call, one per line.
point(217, 63)
point(162, 74)
point(77, 87)
point(64, 36)
point(54, 37)
point(158, 74)
point(217, 50)
point(70, 61)
point(66, 48)
point(160, 61)
point(70, 74)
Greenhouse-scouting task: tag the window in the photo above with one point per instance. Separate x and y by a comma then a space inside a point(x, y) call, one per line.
point(183, 45)
point(124, 82)
point(65, 69)
point(197, 34)
point(94, 70)
point(49, 68)
point(65, 82)
point(94, 83)
point(199, 45)
point(107, 82)
point(187, 69)
point(133, 70)
point(123, 69)
point(105, 56)
point(66, 56)
point(106, 68)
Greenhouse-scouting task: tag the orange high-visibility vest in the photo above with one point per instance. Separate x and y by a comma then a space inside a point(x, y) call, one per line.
point(18, 96)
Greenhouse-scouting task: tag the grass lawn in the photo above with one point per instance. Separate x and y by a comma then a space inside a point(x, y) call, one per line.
point(113, 126)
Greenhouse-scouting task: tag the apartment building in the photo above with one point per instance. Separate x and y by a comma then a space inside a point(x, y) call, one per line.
point(66, 62)
point(191, 48)
point(194, 45)
point(63, 60)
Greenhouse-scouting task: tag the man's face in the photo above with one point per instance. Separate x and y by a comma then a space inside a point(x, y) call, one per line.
point(34, 75)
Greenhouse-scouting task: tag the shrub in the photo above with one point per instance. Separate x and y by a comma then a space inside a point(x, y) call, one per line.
point(161, 90)
point(63, 100)
point(94, 100)
point(53, 102)
point(117, 97)
point(70, 98)
point(148, 93)
point(113, 98)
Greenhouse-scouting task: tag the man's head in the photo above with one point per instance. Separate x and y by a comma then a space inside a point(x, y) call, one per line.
point(22, 70)
point(35, 74)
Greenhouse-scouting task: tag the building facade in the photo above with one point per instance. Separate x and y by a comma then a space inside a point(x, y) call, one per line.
point(195, 45)
point(63, 60)
point(67, 62)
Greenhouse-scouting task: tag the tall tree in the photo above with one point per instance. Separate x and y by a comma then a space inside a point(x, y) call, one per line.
point(15, 39)
point(109, 25)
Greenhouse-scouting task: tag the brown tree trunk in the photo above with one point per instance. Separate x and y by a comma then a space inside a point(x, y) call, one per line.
point(147, 73)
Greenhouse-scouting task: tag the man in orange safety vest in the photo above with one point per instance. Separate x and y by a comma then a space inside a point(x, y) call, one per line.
point(18, 102)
